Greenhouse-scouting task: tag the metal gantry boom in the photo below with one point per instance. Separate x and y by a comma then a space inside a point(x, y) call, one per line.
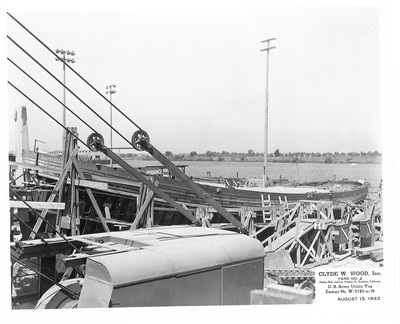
point(141, 142)
point(96, 143)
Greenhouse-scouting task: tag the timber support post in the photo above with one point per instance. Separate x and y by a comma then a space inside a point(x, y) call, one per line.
point(145, 205)
point(69, 152)
point(204, 216)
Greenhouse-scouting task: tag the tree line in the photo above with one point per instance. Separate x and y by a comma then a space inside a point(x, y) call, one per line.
point(251, 154)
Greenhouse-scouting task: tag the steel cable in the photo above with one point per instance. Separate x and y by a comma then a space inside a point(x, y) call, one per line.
point(46, 243)
point(70, 293)
point(66, 128)
point(73, 93)
point(37, 214)
point(73, 70)
point(50, 94)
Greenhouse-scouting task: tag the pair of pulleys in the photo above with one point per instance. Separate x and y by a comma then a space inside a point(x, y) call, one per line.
point(140, 141)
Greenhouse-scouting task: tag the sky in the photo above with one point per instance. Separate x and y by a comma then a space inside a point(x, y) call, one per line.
point(195, 78)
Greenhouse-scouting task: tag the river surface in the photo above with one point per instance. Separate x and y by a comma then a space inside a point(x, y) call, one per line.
point(301, 172)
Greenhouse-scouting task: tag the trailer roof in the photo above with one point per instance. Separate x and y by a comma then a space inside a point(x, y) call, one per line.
point(172, 250)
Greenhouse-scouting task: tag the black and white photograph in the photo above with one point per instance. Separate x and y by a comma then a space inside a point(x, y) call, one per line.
point(165, 158)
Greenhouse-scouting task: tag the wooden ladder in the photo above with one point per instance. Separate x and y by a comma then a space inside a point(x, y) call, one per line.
point(284, 203)
point(266, 203)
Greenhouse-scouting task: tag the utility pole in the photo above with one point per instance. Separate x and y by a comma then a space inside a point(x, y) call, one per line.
point(266, 49)
point(64, 58)
point(111, 90)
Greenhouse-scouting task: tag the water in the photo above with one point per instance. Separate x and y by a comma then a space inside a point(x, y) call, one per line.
point(301, 172)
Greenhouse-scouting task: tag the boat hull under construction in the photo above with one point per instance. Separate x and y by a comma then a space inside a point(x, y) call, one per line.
point(338, 191)
point(119, 182)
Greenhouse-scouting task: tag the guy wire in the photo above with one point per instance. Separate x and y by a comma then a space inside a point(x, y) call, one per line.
point(73, 93)
point(48, 114)
point(50, 94)
point(37, 214)
point(82, 78)
point(70, 293)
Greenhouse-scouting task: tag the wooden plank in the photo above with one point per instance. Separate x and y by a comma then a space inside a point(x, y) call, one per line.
point(339, 257)
point(367, 250)
point(377, 256)
point(97, 185)
point(322, 261)
point(36, 204)
point(283, 239)
point(108, 221)
point(116, 181)
point(34, 167)
point(91, 184)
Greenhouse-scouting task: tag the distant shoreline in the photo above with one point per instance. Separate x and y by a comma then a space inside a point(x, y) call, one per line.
point(324, 160)
point(233, 157)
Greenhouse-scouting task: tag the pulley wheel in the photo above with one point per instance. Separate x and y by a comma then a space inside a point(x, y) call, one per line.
point(93, 139)
point(140, 139)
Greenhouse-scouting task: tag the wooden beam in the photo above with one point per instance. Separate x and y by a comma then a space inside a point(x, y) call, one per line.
point(36, 204)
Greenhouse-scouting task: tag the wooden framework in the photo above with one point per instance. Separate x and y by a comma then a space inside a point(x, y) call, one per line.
point(71, 172)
